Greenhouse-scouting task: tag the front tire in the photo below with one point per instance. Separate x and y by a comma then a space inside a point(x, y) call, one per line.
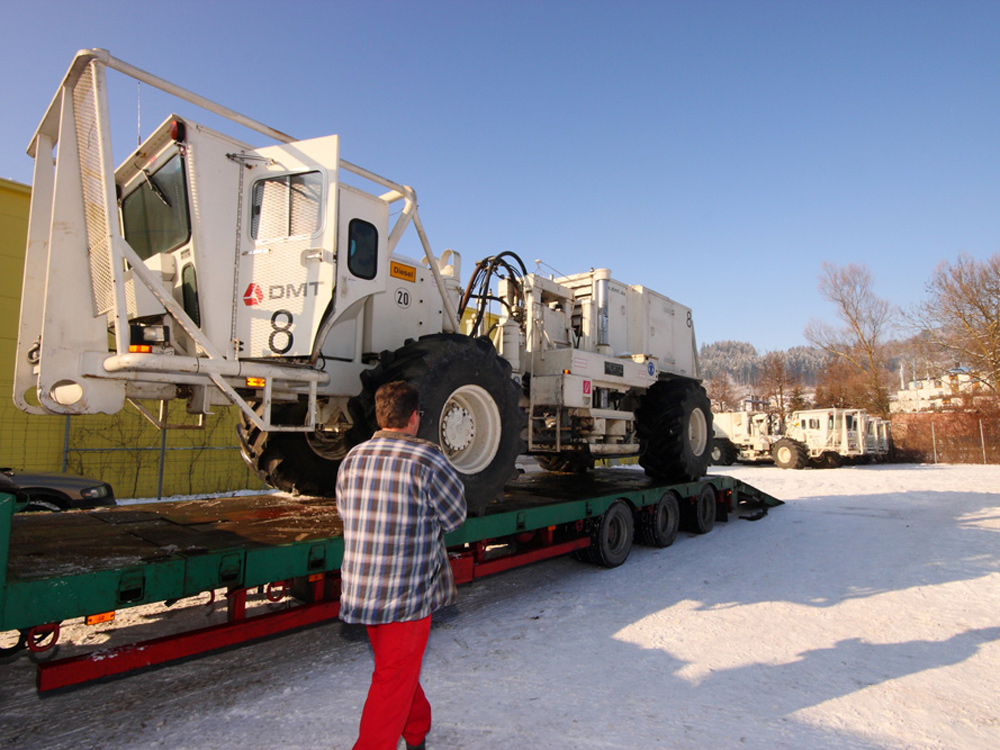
point(470, 403)
point(674, 424)
point(789, 454)
point(295, 462)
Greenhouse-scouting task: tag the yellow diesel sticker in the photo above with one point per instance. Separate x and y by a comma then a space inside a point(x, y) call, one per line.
point(400, 271)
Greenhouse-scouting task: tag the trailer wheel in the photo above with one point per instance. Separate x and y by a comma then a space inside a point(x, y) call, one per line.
point(611, 539)
point(296, 462)
point(674, 424)
point(699, 515)
point(789, 454)
point(470, 403)
point(723, 452)
point(658, 524)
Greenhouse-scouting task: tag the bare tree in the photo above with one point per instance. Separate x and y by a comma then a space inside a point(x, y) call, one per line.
point(840, 385)
point(776, 381)
point(962, 315)
point(722, 393)
point(860, 341)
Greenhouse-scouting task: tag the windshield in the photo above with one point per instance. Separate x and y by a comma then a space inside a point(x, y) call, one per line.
point(155, 214)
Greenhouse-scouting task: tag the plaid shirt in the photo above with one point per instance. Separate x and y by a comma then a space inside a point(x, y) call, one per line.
point(397, 496)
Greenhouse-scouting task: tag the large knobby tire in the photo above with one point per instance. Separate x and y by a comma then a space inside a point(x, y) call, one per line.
point(674, 424)
point(723, 452)
point(789, 454)
point(611, 539)
point(470, 404)
point(657, 525)
point(296, 462)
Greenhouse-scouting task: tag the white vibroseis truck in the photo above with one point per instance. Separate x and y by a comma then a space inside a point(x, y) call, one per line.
point(209, 270)
point(823, 438)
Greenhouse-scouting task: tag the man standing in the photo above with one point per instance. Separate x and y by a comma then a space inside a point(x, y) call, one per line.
point(397, 495)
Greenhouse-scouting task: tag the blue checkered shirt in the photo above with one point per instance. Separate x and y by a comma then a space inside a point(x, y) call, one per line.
point(397, 496)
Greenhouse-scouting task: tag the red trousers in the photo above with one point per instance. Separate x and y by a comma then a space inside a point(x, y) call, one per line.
point(396, 705)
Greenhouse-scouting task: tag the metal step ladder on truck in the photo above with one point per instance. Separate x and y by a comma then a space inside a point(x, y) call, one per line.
point(822, 438)
point(222, 274)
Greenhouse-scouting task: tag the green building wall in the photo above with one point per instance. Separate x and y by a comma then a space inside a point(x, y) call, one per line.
point(126, 450)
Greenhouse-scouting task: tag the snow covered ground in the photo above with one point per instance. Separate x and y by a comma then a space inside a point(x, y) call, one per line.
point(864, 613)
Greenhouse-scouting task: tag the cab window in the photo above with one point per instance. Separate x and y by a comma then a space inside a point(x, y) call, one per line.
point(286, 206)
point(155, 215)
point(362, 249)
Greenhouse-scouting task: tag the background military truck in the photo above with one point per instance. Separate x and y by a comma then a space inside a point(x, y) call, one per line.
point(823, 438)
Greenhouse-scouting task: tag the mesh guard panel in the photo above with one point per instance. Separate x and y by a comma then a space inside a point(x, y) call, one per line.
point(86, 108)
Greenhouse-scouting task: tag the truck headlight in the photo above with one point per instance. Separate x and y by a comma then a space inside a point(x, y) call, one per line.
point(95, 493)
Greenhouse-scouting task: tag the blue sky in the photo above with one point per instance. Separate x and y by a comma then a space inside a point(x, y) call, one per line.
point(717, 152)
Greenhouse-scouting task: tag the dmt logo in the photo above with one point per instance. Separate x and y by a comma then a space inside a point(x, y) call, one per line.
point(254, 295)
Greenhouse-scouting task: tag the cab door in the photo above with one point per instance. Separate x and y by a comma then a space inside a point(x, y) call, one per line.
point(287, 266)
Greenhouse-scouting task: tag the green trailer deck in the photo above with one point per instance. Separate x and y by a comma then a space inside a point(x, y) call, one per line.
point(61, 566)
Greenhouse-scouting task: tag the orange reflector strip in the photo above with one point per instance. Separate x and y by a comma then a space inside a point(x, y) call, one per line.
point(256, 382)
point(98, 619)
point(140, 349)
point(316, 577)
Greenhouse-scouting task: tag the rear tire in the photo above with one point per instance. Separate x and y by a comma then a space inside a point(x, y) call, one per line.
point(674, 425)
point(723, 452)
point(658, 524)
point(789, 454)
point(699, 516)
point(611, 541)
point(470, 403)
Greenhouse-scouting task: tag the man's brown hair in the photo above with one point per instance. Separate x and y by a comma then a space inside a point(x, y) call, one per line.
point(394, 403)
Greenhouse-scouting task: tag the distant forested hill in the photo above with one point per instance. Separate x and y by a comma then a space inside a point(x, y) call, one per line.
point(741, 362)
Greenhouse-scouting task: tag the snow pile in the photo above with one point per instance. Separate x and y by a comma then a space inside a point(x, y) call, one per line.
point(864, 613)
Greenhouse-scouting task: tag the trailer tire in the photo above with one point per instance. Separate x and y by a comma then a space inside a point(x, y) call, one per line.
point(658, 524)
point(700, 511)
point(611, 538)
point(674, 425)
point(723, 452)
point(290, 461)
point(470, 403)
point(789, 454)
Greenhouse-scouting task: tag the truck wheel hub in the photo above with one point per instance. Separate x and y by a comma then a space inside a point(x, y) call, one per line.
point(458, 429)
point(470, 429)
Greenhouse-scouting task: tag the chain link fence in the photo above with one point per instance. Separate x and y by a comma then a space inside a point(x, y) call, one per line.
point(128, 452)
point(947, 437)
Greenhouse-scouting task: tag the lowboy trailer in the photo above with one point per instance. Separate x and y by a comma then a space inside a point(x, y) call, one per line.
point(62, 566)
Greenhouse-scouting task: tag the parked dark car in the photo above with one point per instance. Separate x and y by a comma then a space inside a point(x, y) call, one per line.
point(51, 491)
